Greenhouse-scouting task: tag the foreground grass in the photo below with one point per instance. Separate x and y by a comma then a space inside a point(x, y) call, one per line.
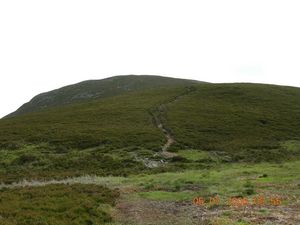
point(225, 180)
point(57, 204)
point(239, 180)
point(91, 204)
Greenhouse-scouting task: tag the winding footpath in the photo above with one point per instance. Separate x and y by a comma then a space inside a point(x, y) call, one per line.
point(157, 115)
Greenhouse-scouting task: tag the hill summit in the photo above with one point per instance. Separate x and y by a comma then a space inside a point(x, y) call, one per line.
point(95, 89)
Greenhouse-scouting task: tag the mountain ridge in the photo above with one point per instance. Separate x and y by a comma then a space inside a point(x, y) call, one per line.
point(94, 89)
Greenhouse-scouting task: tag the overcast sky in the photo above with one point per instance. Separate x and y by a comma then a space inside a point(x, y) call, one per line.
point(48, 44)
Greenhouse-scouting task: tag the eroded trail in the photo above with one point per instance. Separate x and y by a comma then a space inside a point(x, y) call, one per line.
point(88, 179)
point(157, 114)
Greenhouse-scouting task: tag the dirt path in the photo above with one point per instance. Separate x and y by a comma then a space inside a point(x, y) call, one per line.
point(111, 182)
point(170, 139)
point(149, 212)
point(157, 115)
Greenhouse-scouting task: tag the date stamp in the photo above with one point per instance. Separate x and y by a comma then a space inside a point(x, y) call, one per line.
point(239, 201)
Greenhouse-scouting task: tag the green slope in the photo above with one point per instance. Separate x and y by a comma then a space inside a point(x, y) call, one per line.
point(245, 119)
point(95, 89)
point(96, 137)
point(210, 123)
point(220, 117)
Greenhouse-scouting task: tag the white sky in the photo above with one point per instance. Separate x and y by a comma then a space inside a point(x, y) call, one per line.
point(48, 44)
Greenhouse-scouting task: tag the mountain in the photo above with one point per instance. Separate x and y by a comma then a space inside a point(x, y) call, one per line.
point(95, 89)
point(148, 124)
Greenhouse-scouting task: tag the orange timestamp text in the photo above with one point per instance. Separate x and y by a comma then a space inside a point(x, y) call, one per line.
point(239, 201)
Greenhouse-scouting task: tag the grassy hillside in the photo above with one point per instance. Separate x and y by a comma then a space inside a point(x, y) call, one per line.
point(96, 89)
point(97, 137)
point(252, 121)
point(57, 204)
point(210, 123)
point(119, 121)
